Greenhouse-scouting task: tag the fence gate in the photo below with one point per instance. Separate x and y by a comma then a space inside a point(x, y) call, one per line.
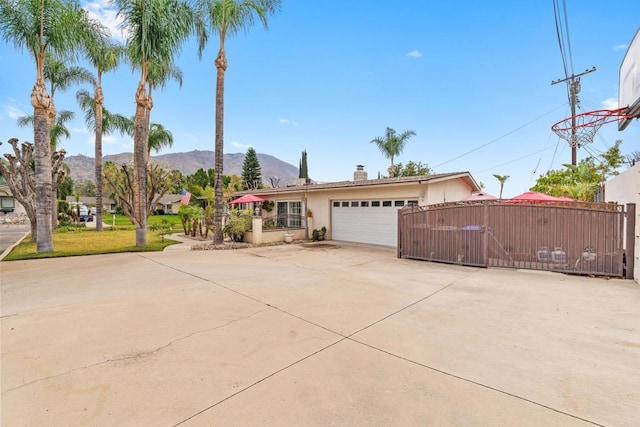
point(584, 238)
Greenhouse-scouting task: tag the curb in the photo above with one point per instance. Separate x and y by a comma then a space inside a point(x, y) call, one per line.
point(10, 248)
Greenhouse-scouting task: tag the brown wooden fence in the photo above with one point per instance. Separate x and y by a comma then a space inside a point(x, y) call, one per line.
point(571, 238)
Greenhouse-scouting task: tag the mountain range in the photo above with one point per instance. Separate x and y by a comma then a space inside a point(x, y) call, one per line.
point(82, 167)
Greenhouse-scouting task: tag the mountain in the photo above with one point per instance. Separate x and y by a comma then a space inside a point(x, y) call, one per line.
point(83, 167)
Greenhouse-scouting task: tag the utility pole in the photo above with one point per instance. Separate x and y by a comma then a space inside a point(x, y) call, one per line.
point(574, 90)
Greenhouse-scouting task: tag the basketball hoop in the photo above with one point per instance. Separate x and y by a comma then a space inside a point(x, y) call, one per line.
point(580, 129)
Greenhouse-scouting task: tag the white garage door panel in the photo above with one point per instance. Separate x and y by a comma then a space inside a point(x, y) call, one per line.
point(372, 225)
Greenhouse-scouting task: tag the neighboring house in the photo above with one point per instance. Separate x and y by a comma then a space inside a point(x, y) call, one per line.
point(623, 189)
point(169, 203)
point(363, 210)
point(108, 205)
point(8, 203)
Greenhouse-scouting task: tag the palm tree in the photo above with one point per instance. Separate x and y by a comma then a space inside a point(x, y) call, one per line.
point(158, 76)
point(59, 27)
point(159, 137)
point(104, 56)
point(61, 77)
point(156, 30)
point(392, 144)
point(226, 17)
point(502, 179)
point(107, 124)
point(56, 132)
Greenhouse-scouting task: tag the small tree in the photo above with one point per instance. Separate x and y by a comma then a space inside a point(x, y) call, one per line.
point(502, 179)
point(120, 182)
point(581, 181)
point(20, 177)
point(412, 169)
point(251, 174)
point(304, 170)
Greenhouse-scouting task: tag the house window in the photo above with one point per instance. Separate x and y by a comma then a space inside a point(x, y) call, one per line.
point(398, 203)
point(336, 204)
point(354, 204)
point(412, 202)
point(364, 204)
point(289, 214)
point(345, 204)
point(7, 203)
point(375, 204)
point(386, 203)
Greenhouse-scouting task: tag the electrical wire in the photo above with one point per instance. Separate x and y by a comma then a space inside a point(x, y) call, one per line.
point(556, 14)
point(515, 160)
point(566, 24)
point(564, 42)
point(500, 137)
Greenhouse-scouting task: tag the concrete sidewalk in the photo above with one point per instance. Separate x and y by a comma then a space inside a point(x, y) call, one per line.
point(331, 334)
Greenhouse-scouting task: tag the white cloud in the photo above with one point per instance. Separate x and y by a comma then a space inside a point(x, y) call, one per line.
point(610, 103)
point(15, 113)
point(414, 54)
point(240, 145)
point(620, 47)
point(288, 122)
point(106, 13)
point(112, 140)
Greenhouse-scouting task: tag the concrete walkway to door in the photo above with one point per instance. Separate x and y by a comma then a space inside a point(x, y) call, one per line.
point(313, 334)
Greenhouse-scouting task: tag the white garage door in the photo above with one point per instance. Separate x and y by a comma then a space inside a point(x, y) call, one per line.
point(366, 221)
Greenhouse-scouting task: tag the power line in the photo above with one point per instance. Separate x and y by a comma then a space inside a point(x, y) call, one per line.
point(515, 160)
point(566, 24)
point(500, 137)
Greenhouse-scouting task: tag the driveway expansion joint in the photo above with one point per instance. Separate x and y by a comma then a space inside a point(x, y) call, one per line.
point(137, 356)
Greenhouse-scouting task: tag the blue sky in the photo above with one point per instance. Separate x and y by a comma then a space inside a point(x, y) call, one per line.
point(471, 78)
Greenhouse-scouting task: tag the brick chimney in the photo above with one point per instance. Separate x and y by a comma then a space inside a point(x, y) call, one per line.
point(360, 174)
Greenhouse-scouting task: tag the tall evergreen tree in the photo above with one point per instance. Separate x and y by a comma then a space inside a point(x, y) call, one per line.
point(304, 170)
point(251, 175)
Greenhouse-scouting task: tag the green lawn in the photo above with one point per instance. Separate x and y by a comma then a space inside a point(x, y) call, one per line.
point(121, 222)
point(91, 242)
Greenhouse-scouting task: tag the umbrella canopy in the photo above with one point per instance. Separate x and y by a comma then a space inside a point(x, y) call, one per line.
point(480, 196)
point(535, 197)
point(247, 198)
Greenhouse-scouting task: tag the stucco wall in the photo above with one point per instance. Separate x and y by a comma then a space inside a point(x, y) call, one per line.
point(623, 189)
point(319, 201)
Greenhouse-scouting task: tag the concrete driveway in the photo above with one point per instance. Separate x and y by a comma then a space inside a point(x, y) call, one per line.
point(312, 335)
point(11, 234)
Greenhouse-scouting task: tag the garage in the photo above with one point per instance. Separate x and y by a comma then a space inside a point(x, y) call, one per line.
point(367, 221)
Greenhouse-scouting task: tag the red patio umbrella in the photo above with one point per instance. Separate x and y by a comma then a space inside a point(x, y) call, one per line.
point(535, 197)
point(480, 196)
point(247, 198)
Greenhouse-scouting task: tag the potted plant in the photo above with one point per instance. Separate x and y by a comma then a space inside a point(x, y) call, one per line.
point(322, 233)
point(236, 227)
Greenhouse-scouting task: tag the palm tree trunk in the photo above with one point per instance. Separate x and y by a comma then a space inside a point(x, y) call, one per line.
point(42, 158)
point(54, 206)
point(221, 66)
point(99, 98)
point(140, 140)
